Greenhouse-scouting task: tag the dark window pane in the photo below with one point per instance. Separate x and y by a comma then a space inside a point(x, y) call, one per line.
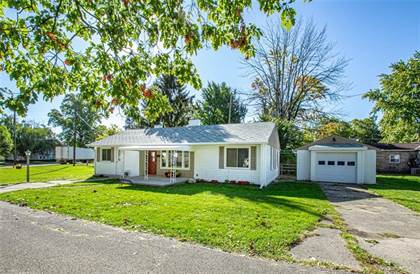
point(340, 163)
point(321, 163)
point(232, 157)
point(106, 154)
point(351, 163)
point(186, 159)
point(243, 157)
point(331, 163)
point(179, 159)
point(163, 158)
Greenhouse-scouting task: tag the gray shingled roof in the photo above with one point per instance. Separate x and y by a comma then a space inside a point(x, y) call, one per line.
point(227, 133)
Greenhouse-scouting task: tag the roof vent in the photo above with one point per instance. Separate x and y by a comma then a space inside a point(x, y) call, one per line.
point(194, 122)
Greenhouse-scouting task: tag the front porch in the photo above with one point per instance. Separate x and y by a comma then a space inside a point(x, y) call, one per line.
point(156, 165)
point(156, 180)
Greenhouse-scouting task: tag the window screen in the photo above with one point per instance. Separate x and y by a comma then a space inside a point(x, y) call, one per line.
point(237, 157)
point(106, 154)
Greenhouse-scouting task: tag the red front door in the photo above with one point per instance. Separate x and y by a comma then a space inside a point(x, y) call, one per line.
point(152, 163)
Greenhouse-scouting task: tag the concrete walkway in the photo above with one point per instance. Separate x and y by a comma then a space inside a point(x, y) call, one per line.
point(16, 187)
point(40, 242)
point(326, 245)
point(382, 227)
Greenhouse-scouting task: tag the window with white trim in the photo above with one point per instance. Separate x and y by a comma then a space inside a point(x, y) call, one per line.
point(106, 154)
point(394, 158)
point(182, 159)
point(237, 157)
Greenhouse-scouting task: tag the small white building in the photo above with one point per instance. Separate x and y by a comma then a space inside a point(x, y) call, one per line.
point(337, 159)
point(230, 152)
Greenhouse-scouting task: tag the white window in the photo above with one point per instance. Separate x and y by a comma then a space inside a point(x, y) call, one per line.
point(106, 154)
point(394, 158)
point(237, 157)
point(182, 159)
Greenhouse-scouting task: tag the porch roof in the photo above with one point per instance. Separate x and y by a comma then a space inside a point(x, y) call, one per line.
point(156, 147)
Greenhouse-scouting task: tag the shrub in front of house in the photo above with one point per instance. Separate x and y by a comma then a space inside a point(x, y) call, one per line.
point(168, 174)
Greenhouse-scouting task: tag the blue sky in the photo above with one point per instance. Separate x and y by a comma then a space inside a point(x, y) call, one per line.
point(371, 33)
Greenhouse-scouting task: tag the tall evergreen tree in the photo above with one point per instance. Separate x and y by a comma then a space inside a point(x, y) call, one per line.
point(179, 99)
point(220, 101)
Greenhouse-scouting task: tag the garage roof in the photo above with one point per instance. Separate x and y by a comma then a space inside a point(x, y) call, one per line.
point(336, 142)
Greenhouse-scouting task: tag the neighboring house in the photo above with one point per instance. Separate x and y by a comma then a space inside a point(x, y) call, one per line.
point(398, 158)
point(64, 154)
point(337, 159)
point(47, 155)
point(239, 152)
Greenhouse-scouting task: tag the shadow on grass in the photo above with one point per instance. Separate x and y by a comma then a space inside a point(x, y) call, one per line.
point(271, 195)
point(404, 182)
point(49, 171)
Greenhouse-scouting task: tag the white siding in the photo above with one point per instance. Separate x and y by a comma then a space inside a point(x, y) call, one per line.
point(105, 167)
point(303, 165)
point(370, 169)
point(268, 173)
point(206, 166)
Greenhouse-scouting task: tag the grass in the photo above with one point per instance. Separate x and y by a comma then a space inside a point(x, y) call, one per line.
point(45, 173)
point(404, 190)
point(263, 222)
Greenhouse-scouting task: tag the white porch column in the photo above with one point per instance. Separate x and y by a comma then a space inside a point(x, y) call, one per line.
point(146, 165)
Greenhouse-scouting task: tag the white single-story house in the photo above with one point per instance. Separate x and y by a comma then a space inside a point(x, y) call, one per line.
point(247, 152)
point(336, 159)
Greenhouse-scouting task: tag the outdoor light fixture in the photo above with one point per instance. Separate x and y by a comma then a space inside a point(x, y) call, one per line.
point(28, 154)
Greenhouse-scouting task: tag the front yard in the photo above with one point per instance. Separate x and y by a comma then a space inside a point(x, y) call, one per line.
point(45, 173)
point(404, 190)
point(230, 217)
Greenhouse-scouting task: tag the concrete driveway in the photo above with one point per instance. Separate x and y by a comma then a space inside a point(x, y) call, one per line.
point(41, 242)
point(382, 227)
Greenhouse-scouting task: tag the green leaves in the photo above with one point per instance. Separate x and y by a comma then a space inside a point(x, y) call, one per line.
point(6, 144)
point(107, 49)
point(288, 18)
point(399, 100)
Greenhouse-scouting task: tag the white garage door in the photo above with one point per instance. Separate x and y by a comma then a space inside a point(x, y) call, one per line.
point(336, 167)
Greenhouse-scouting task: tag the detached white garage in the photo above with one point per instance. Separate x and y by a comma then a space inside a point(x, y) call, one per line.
point(337, 159)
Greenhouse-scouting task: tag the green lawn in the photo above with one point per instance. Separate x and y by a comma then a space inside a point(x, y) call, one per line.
point(45, 173)
point(264, 222)
point(404, 190)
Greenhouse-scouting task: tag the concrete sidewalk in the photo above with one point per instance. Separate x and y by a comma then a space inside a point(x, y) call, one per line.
point(40, 242)
point(16, 187)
